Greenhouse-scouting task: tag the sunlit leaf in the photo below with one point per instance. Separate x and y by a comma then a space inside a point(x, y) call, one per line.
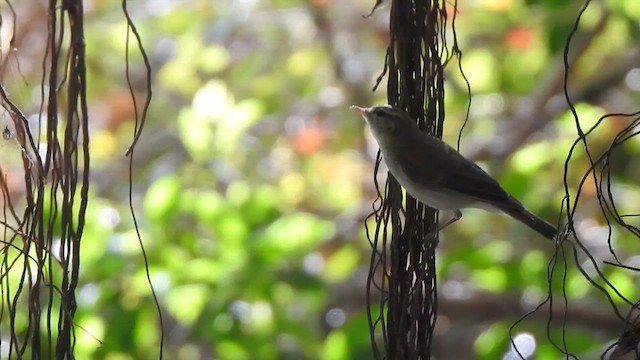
point(336, 346)
point(231, 228)
point(489, 343)
point(209, 206)
point(238, 193)
point(231, 125)
point(302, 62)
point(624, 284)
point(263, 205)
point(161, 199)
point(588, 116)
point(479, 67)
point(493, 279)
point(88, 338)
point(230, 349)
point(213, 59)
point(294, 233)
point(342, 263)
point(185, 302)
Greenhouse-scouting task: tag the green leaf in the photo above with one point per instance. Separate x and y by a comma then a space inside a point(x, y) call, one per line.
point(493, 279)
point(209, 206)
point(213, 59)
point(161, 200)
point(231, 228)
point(479, 67)
point(232, 350)
point(621, 281)
point(489, 344)
point(291, 234)
point(336, 346)
point(341, 264)
point(262, 206)
point(186, 302)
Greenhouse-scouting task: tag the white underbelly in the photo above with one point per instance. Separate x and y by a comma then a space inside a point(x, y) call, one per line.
point(440, 199)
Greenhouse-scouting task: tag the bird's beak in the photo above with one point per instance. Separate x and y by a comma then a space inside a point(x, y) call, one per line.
point(360, 110)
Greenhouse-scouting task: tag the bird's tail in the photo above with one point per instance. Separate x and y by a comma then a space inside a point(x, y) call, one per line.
point(540, 226)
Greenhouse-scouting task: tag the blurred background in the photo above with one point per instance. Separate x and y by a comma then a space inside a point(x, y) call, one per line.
point(253, 179)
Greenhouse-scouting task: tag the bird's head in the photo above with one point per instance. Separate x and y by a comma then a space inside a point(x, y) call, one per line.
point(385, 121)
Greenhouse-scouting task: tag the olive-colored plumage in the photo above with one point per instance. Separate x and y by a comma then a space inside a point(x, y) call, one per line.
point(436, 174)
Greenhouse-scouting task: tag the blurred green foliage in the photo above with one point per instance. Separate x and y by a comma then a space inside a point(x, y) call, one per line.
point(252, 179)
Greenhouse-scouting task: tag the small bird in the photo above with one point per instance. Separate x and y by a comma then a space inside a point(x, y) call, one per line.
point(436, 174)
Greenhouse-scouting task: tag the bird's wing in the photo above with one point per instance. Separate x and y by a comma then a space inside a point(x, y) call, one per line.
point(452, 172)
point(469, 178)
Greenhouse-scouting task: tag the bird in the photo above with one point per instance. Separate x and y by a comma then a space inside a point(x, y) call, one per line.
point(436, 174)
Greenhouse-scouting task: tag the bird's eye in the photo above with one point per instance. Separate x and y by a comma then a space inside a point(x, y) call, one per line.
point(390, 126)
point(6, 134)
